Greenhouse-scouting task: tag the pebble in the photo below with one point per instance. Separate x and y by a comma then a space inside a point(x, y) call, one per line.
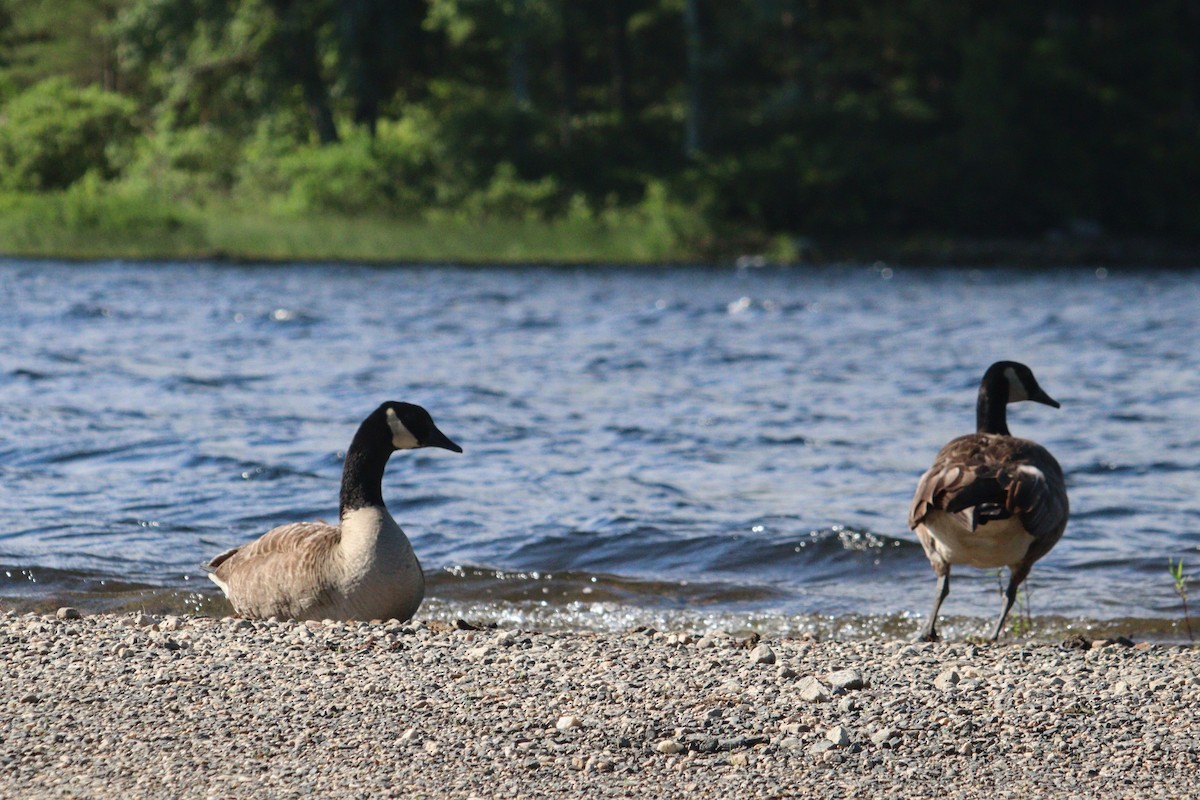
point(479, 653)
point(811, 690)
point(845, 679)
point(762, 654)
point(882, 735)
point(106, 708)
point(838, 735)
point(821, 746)
point(946, 679)
point(66, 612)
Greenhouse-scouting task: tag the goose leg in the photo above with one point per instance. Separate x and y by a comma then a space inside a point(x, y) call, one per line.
point(929, 632)
point(1016, 577)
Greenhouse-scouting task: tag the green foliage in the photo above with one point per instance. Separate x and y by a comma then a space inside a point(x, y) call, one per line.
point(1181, 581)
point(507, 196)
point(54, 134)
point(192, 165)
point(71, 39)
point(346, 177)
point(758, 123)
point(384, 175)
point(92, 220)
point(1022, 622)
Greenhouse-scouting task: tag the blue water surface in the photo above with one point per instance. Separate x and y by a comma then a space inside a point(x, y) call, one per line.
point(678, 445)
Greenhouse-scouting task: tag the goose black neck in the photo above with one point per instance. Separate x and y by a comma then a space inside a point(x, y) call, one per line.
point(362, 474)
point(991, 411)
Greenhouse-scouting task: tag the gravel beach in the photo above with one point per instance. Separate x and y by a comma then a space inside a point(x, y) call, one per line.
point(136, 706)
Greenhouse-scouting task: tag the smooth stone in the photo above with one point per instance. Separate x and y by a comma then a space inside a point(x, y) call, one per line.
point(66, 612)
point(762, 654)
point(838, 735)
point(811, 690)
point(845, 679)
point(479, 653)
point(568, 721)
point(946, 679)
point(821, 746)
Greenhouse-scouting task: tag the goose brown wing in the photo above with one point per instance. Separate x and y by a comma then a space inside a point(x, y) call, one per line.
point(280, 568)
point(953, 469)
point(1036, 492)
point(1009, 476)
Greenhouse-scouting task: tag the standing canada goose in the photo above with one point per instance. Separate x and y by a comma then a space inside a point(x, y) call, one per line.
point(363, 568)
point(990, 499)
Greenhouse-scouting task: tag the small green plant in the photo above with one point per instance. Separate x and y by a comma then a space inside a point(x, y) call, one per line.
point(1022, 624)
point(1021, 617)
point(1176, 570)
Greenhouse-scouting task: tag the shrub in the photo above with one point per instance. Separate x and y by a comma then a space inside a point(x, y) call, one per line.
point(359, 174)
point(54, 134)
point(191, 164)
point(508, 196)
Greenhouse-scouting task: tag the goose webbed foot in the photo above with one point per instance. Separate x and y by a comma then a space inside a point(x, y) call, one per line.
point(929, 632)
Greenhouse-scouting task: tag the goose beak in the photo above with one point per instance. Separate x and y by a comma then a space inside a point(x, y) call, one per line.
point(439, 439)
point(1042, 397)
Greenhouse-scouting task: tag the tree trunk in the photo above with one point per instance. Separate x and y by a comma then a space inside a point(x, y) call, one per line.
point(618, 55)
point(518, 56)
point(569, 65)
point(694, 122)
point(299, 47)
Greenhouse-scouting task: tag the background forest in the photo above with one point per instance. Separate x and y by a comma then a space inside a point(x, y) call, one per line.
point(684, 127)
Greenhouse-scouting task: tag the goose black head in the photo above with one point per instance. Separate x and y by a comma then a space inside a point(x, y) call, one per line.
point(1006, 382)
point(412, 427)
point(1013, 382)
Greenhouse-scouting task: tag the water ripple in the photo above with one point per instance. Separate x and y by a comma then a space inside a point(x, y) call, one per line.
point(739, 446)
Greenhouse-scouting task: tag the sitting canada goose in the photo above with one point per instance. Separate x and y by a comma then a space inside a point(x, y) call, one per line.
point(990, 499)
point(363, 568)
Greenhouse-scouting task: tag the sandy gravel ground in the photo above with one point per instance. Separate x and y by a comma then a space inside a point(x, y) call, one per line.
point(134, 706)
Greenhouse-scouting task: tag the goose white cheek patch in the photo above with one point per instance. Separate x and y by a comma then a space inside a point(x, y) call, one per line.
point(1016, 389)
point(402, 438)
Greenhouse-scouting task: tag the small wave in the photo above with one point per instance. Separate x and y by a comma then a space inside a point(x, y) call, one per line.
point(762, 555)
point(246, 470)
point(606, 365)
point(774, 439)
point(88, 311)
point(131, 451)
point(290, 316)
point(465, 583)
point(29, 374)
point(1103, 512)
point(215, 381)
point(422, 501)
point(258, 524)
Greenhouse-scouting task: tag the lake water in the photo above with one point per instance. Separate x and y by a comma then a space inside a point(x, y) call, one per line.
point(679, 447)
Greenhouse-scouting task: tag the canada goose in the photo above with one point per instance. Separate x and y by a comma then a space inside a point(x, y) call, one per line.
point(990, 499)
point(363, 568)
